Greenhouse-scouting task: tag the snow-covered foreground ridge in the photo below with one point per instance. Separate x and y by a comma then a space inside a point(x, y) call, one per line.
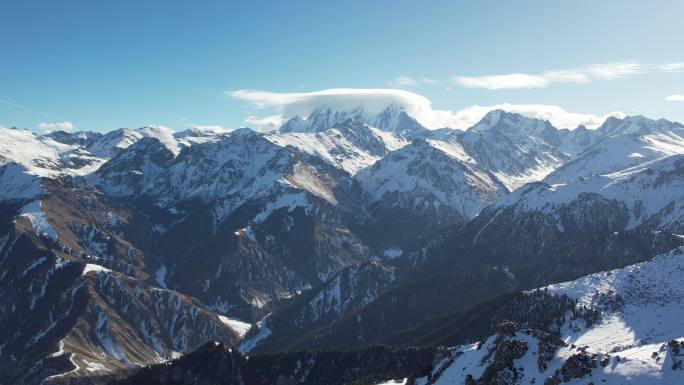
point(638, 339)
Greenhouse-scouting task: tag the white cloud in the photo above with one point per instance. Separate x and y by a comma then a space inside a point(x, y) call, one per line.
point(265, 123)
point(593, 72)
point(404, 81)
point(375, 100)
point(498, 82)
point(54, 126)
point(675, 98)
point(429, 81)
point(672, 67)
point(566, 76)
point(615, 70)
point(558, 116)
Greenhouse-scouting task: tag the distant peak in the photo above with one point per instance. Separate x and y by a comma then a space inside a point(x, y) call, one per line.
point(392, 118)
point(637, 118)
point(494, 116)
point(637, 124)
point(500, 119)
point(243, 131)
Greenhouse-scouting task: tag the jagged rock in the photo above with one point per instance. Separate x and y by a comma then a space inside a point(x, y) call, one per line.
point(676, 348)
point(506, 328)
point(548, 346)
point(501, 370)
point(577, 366)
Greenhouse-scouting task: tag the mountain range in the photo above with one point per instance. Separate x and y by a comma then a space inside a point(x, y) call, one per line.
point(344, 230)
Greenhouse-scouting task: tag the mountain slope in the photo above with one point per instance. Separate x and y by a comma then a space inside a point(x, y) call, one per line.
point(546, 232)
point(77, 299)
point(637, 338)
point(516, 149)
point(43, 156)
point(391, 119)
point(615, 327)
point(267, 220)
point(349, 145)
point(345, 228)
point(622, 144)
point(424, 187)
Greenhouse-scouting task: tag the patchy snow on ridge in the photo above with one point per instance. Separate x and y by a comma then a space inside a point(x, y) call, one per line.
point(96, 268)
point(39, 155)
point(453, 149)
point(306, 178)
point(263, 333)
point(646, 190)
point(289, 201)
point(393, 252)
point(201, 134)
point(114, 141)
point(39, 221)
point(619, 152)
point(164, 135)
point(18, 183)
point(351, 147)
point(434, 177)
point(239, 327)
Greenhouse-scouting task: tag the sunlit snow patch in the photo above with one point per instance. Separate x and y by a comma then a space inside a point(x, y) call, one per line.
point(96, 268)
point(239, 327)
point(35, 215)
point(393, 252)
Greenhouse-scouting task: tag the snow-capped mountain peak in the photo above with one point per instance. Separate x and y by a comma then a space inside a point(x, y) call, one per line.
point(511, 123)
point(350, 145)
point(393, 118)
point(516, 149)
point(195, 135)
point(637, 125)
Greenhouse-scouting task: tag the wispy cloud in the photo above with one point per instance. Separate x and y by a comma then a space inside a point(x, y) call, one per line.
point(675, 98)
point(593, 72)
point(20, 107)
point(404, 81)
point(54, 126)
point(508, 81)
point(615, 70)
point(374, 100)
point(672, 67)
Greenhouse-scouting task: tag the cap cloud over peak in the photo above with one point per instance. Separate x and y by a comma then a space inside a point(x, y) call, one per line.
point(373, 101)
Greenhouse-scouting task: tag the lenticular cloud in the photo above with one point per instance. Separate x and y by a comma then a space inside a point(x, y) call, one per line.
point(303, 103)
point(374, 101)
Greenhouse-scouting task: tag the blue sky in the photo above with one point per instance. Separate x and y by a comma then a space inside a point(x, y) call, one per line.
point(101, 65)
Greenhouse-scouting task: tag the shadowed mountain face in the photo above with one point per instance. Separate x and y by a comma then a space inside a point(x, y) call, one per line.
point(343, 229)
point(593, 329)
point(214, 363)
